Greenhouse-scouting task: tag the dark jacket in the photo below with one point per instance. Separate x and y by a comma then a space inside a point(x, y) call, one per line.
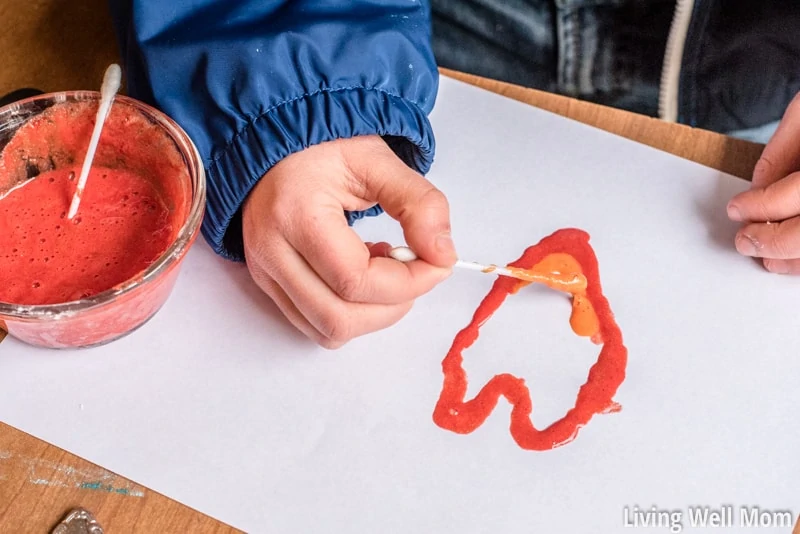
point(741, 63)
point(736, 63)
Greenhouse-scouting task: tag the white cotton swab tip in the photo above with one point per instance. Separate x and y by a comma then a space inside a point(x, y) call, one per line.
point(111, 83)
point(403, 254)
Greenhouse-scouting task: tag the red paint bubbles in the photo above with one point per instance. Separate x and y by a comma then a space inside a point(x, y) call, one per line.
point(65, 259)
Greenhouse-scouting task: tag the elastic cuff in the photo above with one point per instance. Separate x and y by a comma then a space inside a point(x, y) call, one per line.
point(295, 125)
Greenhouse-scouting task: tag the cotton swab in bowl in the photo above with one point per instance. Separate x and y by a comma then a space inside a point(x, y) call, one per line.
point(565, 280)
point(111, 83)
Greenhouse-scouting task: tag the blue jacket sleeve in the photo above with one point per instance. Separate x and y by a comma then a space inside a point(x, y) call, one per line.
point(252, 81)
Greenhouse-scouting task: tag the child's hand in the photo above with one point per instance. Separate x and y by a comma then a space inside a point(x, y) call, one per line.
point(301, 252)
point(771, 208)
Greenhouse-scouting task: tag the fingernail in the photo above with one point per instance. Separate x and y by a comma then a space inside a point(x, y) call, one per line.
point(733, 213)
point(747, 245)
point(777, 266)
point(444, 244)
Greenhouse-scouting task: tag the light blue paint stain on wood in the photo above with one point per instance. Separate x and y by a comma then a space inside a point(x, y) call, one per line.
point(99, 486)
point(46, 473)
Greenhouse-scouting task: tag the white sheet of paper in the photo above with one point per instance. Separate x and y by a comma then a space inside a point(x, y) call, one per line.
point(217, 403)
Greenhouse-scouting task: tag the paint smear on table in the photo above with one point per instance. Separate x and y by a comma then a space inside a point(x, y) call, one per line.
point(47, 473)
point(566, 252)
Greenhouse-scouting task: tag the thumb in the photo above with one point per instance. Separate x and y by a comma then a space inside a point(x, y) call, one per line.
point(420, 208)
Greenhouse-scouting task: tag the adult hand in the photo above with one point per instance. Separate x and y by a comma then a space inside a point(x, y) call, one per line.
point(300, 251)
point(770, 210)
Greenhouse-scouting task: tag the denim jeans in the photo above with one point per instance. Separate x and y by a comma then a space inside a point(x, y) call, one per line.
point(605, 51)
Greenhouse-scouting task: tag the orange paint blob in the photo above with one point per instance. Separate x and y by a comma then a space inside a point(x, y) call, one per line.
point(562, 272)
point(564, 261)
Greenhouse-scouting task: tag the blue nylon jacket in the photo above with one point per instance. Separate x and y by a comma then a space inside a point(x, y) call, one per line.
point(253, 81)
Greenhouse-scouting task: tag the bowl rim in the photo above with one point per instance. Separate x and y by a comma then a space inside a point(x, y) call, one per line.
point(186, 235)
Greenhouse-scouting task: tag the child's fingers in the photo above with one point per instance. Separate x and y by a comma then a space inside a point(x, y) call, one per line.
point(336, 253)
point(776, 202)
point(778, 241)
point(285, 304)
point(307, 301)
point(379, 250)
point(781, 156)
point(337, 320)
point(782, 266)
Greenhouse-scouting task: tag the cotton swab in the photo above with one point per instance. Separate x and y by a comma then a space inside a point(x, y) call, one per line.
point(111, 83)
point(405, 255)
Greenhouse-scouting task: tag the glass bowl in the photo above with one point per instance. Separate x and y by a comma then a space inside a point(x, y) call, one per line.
point(171, 161)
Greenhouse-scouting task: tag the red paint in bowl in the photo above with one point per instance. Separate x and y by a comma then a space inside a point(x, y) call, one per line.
point(97, 277)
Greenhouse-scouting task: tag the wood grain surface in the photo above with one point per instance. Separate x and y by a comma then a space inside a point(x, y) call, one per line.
point(57, 45)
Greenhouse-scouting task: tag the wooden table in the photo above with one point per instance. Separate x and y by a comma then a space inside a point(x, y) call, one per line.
point(59, 44)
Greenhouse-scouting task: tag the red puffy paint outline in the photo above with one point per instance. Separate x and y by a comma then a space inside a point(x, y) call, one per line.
point(595, 396)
